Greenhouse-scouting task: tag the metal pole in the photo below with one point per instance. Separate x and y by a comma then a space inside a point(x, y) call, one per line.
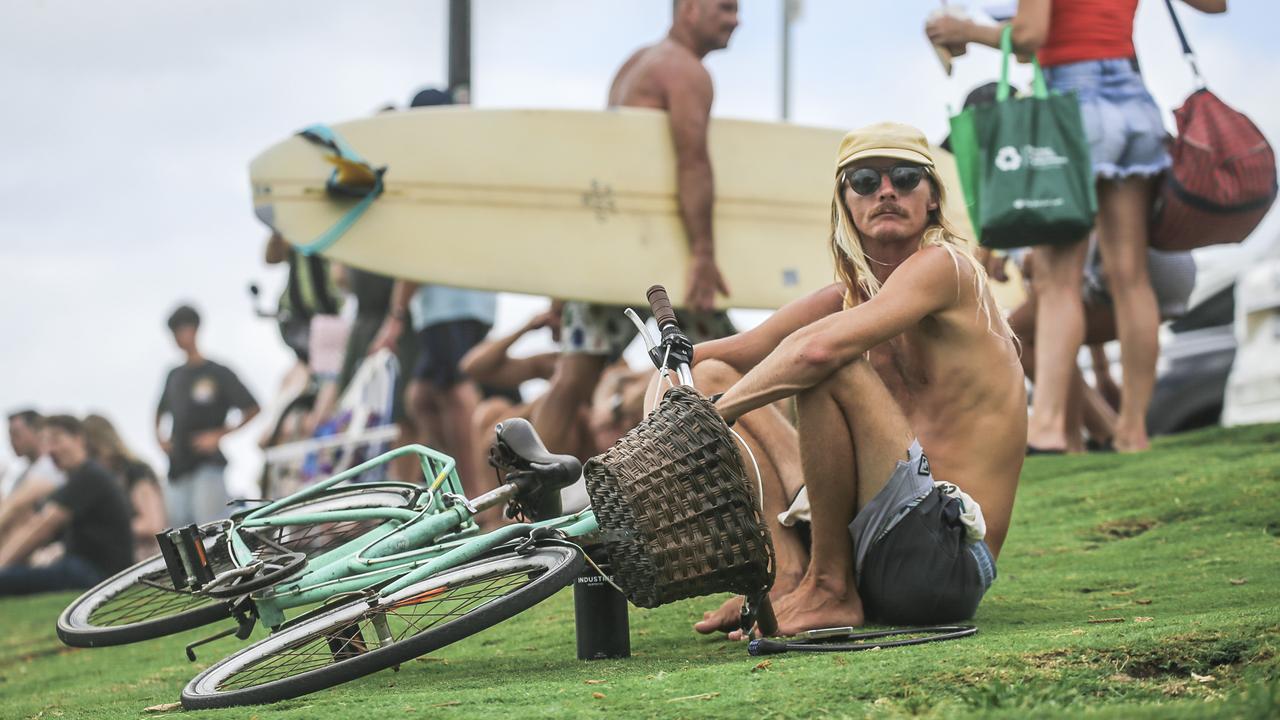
point(789, 11)
point(460, 50)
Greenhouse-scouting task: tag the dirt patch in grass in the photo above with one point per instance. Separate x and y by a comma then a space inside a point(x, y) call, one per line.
point(1123, 529)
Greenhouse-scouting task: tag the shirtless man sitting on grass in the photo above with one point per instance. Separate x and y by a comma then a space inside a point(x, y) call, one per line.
point(907, 354)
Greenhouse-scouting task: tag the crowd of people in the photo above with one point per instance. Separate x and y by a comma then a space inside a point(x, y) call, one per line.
point(905, 354)
point(78, 505)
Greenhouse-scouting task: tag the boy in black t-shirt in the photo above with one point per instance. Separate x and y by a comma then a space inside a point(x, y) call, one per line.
point(197, 397)
point(91, 511)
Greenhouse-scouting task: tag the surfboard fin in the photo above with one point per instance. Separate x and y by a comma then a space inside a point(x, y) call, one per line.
point(351, 173)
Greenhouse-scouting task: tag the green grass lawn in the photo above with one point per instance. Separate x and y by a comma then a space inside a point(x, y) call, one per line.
point(1177, 549)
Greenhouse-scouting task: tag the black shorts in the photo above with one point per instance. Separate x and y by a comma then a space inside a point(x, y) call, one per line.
point(441, 348)
point(923, 571)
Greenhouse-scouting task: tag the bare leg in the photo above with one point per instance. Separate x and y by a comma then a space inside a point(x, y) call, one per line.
point(770, 438)
point(852, 436)
point(1075, 412)
point(1107, 386)
point(1058, 335)
point(457, 410)
point(559, 417)
point(1099, 417)
point(1122, 237)
point(421, 405)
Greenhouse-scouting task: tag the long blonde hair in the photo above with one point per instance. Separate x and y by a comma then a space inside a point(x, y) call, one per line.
point(105, 444)
point(854, 271)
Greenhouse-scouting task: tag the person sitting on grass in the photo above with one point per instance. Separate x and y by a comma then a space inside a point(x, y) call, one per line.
point(908, 353)
point(91, 511)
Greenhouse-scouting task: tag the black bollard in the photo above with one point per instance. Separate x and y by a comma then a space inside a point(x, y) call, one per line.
point(600, 618)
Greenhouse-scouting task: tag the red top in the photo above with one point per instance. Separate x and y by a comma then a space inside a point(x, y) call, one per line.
point(1082, 30)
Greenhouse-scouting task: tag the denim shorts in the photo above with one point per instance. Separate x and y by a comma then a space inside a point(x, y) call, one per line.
point(1121, 120)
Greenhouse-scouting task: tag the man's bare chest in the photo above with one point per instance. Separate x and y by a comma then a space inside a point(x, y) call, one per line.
point(903, 368)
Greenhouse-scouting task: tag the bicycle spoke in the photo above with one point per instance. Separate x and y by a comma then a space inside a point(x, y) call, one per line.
point(404, 619)
point(318, 538)
point(145, 600)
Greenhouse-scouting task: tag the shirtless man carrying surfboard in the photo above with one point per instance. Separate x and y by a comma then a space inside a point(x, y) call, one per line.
point(666, 76)
point(907, 354)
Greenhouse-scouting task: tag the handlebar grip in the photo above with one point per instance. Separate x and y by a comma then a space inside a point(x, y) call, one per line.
point(765, 646)
point(660, 304)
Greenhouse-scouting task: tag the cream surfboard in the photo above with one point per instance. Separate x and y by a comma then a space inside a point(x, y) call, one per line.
point(572, 204)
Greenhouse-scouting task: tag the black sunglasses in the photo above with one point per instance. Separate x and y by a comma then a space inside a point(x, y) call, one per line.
point(866, 180)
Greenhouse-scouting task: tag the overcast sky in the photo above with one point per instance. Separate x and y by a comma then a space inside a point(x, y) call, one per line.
point(127, 128)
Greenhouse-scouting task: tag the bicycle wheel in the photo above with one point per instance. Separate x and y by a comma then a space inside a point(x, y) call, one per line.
point(140, 603)
point(363, 636)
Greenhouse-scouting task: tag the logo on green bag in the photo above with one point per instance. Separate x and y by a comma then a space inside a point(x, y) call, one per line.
point(1008, 159)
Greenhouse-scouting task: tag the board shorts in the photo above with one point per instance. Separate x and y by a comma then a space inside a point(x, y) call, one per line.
point(915, 560)
point(441, 347)
point(1121, 120)
point(594, 329)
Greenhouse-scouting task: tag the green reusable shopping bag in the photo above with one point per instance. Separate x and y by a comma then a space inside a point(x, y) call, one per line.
point(1029, 165)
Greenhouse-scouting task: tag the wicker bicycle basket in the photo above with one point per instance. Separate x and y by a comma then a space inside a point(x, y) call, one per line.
point(678, 516)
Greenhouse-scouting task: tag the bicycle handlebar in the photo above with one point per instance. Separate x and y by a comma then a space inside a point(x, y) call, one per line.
point(660, 305)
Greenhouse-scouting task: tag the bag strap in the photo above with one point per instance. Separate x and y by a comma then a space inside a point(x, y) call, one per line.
point(1187, 52)
point(1038, 87)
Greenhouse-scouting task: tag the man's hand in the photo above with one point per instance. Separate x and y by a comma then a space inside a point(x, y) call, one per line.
point(548, 319)
point(704, 282)
point(994, 263)
point(206, 442)
point(388, 335)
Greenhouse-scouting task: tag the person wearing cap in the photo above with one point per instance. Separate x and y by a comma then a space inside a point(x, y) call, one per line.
point(906, 354)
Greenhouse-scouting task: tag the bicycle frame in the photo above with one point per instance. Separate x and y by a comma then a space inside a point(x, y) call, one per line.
point(437, 534)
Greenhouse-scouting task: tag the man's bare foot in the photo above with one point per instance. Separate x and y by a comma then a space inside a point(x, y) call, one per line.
point(722, 619)
point(814, 605)
point(1131, 441)
point(726, 617)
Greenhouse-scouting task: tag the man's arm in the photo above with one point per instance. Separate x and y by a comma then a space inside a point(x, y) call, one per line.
point(38, 531)
point(689, 96)
point(162, 408)
point(397, 317)
point(489, 363)
point(33, 490)
point(745, 350)
point(925, 284)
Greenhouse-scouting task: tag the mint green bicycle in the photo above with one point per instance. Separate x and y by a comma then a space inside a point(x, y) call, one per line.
point(379, 573)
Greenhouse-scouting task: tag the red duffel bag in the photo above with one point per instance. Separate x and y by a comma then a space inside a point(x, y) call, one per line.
point(1223, 178)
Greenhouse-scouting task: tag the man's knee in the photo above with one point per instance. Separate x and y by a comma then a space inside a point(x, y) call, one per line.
point(713, 376)
point(858, 372)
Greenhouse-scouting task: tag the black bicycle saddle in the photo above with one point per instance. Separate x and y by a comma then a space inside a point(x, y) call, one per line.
point(519, 437)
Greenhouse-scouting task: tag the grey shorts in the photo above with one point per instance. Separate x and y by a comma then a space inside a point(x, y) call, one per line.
point(913, 564)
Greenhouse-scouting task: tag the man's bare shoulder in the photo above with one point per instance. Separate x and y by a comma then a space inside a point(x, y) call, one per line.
point(671, 63)
point(934, 267)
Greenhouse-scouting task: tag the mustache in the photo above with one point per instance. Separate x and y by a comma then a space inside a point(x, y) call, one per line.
point(889, 208)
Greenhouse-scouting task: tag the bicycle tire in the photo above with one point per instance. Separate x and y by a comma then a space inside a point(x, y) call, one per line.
point(77, 626)
point(336, 640)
